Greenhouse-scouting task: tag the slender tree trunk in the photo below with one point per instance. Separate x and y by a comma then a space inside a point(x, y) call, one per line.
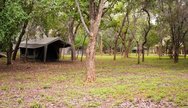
point(143, 53)
point(184, 50)
point(138, 52)
point(19, 40)
point(83, 49)
point(146, 31)
point(71, 39)
point(128, 48)
point(9, 54)
point(26, 49)
point(101, 45)
point(124, 49)
point(115, 45)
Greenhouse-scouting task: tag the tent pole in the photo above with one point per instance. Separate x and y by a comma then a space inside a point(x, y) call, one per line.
point(45, 52)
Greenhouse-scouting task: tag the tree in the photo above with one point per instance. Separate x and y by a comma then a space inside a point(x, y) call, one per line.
point(152, 38)
point(11, 17)
point(95, 15)
point(27, 7)
point(146, 32)
point(176, 15)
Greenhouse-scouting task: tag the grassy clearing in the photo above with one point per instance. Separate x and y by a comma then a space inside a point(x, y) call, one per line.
point(61, 84)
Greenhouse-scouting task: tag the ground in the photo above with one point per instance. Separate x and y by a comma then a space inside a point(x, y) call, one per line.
point(119, 84)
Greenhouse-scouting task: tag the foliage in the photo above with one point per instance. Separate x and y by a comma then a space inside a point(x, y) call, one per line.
point(153, 38)
point(79, 40)
point(11, 18)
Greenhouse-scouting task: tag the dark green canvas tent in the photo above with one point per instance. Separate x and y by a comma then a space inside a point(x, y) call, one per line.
point(45, 49)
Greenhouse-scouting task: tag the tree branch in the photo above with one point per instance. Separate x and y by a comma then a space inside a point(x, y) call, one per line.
point(76, 29)
point(82, 18)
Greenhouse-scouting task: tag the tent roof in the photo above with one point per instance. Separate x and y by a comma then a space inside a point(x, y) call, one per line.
point(2, 55)
point(37, 43)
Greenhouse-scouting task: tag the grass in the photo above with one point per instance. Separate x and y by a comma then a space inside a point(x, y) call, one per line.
point(39, 85)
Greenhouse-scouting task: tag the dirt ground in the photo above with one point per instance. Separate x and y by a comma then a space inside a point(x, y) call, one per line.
point(120, 84)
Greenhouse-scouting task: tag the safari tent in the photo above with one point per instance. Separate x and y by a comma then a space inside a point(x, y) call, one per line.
point(45, 49)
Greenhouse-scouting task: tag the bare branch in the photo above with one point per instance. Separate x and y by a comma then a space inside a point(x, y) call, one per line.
point(82, 18)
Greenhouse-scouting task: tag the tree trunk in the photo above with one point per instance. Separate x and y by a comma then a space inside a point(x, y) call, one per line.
point(170, 52)
point(127, 52)
point(9, 55)
point(19, 40)
point(146, 32)
point(95, 19)
point(124, 49)
point(72, 38)
point(138, 51)
point(83, 49)
point(143, 53)
point(128, 48)
point(176, 53)
point(115, 45)
point(160, 50)
point(184, 50)
point(26, 49)
point(90, 59)
point(101, 45)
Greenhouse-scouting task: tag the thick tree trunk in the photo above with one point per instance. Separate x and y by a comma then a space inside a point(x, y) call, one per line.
point(127, 52)
point(19, 40)
point(128, 48)
point(90, 59)
point(9, 54)
point(95, 19)
point(176, 53)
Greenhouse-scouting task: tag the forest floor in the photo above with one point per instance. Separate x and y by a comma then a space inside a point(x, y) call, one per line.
point(119, 84)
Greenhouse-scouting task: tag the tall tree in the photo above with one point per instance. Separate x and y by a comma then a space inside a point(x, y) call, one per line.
point(27, 7)
point(95, 15)
point(176, 15)
point(146, 32)
point(11, 17)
